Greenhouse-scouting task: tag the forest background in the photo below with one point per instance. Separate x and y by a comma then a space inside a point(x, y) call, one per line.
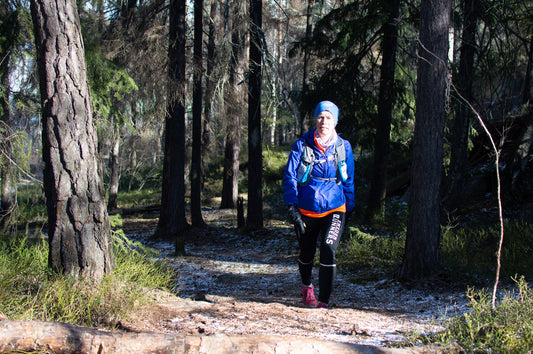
point(150, 96)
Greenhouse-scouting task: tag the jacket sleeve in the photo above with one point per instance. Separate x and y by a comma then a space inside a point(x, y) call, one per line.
point(289, 182)
point(348, 186)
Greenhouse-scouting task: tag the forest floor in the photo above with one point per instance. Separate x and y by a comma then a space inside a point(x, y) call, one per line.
point(236, 283)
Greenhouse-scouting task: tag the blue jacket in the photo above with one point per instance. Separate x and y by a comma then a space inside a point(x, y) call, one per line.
point(319, 195)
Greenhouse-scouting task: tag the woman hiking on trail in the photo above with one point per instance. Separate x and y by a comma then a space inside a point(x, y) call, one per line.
point(319, 191)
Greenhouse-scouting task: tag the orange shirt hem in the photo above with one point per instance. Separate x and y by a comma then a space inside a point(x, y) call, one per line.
point(313, 214)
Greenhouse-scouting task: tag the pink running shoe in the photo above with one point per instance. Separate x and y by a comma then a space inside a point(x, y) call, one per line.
point(322, 305)
point(308, 295)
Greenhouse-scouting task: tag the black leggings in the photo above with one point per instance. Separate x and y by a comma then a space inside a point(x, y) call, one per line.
point(328, 231)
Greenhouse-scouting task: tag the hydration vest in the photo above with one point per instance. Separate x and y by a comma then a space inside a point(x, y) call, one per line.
point(307, 161)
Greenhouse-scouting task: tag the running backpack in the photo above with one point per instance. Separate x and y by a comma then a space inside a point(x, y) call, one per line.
point(307, 161)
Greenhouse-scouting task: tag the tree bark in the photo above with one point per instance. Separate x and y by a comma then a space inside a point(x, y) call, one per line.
point(6, 167)
point(128, 12)
point(29, 336)
point(7, 195)
point(254, 219)
point(112, 202)
point(230, 183)
point(78, 224)
point(207, 148)
point(463, 114)
point(378, 185)
point(421, 257)
point(305, 117)
point(196, 161)
point(523, 149)
point(276, 89)
point(522, 154)
point(234, 101)
point(526, 92)
point(172, 216)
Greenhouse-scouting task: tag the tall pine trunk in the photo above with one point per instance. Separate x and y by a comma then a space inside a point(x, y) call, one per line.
point(196, 161)
point(172, 216)
point(234, 101)
point(378, 184)
point(305, 118)
point(255, 154)
point(6, 168)
point(522, 153)
point(461, 126)
point(421, 257)
point(207, 133)
point(79, 233)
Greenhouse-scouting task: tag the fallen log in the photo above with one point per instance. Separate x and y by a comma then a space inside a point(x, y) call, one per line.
point(395, 185)
point(63, 338)
point(136, 209)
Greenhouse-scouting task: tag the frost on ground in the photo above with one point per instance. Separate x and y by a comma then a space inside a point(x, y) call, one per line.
point(235, 283)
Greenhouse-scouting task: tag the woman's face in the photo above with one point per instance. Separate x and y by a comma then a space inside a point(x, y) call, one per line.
point(325, 125)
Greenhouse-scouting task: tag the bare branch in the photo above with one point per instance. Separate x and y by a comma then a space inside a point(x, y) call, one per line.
point(500, 212)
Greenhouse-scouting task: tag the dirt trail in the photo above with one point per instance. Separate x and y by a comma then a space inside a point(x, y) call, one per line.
point(240, 284)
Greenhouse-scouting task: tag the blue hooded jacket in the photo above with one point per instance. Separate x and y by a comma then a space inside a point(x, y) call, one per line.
point(322, 193)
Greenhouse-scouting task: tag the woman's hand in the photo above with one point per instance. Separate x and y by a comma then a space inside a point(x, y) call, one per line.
point(295, 217)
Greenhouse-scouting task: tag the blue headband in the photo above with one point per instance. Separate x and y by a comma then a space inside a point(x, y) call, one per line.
point(330, 107)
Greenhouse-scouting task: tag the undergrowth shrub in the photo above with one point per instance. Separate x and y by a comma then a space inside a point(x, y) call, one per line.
point(141, 176)
point(139, 197)
point(274, 161)
point(469, 254)
point(377, 249)
point(30, 291)
point(363, 249)
point(30, 204)
point(506, 329)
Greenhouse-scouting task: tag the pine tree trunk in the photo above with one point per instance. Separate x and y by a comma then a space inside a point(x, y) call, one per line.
point(230, 183)
point(196, 161)
point(525, 143)
point(78, 224)
point(305, 118)
point(207, 148)
point(255, 154)
point(378, 185)
point(6, 196)
point(172, 216)
point(234, 101)
point(6, 200)
point(461, 127)
point(112, 202)
point(421, 257)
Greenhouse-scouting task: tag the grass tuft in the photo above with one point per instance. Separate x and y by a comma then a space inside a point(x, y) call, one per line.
point(30, 291)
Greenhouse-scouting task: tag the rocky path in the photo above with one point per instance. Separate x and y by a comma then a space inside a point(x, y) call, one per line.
point(239, 284)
